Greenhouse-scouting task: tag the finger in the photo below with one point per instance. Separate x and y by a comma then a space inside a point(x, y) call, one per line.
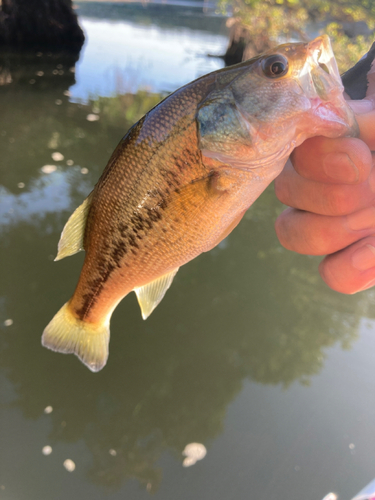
point(366, 124)
point(343, 160)
point(352, 269)
point(365, 116)
point(325, 199)
point(311, 234)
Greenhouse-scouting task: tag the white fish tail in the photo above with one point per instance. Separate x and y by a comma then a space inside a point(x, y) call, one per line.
point(67, 334)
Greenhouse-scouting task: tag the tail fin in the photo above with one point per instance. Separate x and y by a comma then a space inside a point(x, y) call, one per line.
point(65, 333)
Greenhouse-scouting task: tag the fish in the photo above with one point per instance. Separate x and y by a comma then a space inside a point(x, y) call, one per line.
point(182, 178)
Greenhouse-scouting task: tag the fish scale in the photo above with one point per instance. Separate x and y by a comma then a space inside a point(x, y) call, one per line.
point(131, 176)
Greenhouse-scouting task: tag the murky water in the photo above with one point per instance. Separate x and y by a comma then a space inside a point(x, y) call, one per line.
point(249, 353)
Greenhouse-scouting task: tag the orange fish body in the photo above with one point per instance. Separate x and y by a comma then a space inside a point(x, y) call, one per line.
point(182, 178)
point(157, 206)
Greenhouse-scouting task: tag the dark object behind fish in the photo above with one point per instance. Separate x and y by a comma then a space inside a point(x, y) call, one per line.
point(355, 79)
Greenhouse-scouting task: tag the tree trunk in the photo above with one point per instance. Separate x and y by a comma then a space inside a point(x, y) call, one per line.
point(39, 25)
point(242, 44)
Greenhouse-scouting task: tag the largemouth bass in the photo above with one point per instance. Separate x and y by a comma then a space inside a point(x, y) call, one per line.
point(182, 178)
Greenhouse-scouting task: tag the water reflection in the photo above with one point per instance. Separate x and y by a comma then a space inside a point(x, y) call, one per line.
point(248, 310)
point(169, 381)
point(47, 194)
point(134, 45)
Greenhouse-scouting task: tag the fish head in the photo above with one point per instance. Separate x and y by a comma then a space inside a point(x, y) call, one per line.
point(313, 68)
point(270, 104)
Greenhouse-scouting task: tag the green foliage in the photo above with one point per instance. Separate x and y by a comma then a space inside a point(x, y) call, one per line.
point(263, 24)
point(347, 50)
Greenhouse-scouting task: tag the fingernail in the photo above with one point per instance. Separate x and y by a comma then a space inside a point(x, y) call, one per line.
point(364, 258)
point(363, 219)
point(361, 107)
point(339, 167)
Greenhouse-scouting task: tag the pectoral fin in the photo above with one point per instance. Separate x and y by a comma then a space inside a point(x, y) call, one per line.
point(150, 295)
point(71, 240)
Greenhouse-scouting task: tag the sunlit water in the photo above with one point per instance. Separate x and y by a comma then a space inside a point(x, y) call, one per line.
point(249, 354)
point(140, 56)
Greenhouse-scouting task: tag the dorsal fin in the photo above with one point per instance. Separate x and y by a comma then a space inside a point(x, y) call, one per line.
point(150, 295)
point(71, 240)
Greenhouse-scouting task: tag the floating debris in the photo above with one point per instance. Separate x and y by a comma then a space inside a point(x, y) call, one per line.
point(8, 322)
point(47, 450)
point(48, 169)
point(351, 446)
point(72, 69)
point(193, 452)
point(21, 185)
point(58, 102)
point(39, 54)
point(39, 73)
point(84, 170)
point(55, 72)
point(69, 465)
point(59, 66)
point(32, 81)
point(67, 93)
point(92, 117)
point(112, 452)
point(48, 409)
point(57, 156)
point(331, 496)
point(70, 162)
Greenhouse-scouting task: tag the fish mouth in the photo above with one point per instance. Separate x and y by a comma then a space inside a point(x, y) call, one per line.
point(321, 82)
point(338, 116)
point(320, 52)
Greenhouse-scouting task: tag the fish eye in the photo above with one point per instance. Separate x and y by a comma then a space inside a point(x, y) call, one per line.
point(275, 66)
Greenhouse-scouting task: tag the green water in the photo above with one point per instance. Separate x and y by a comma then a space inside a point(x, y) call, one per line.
point(249, 353)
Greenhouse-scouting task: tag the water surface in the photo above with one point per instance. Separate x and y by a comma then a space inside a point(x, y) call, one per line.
point(249, 353)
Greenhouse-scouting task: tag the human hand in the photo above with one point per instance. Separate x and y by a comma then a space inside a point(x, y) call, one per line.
point(330, 183)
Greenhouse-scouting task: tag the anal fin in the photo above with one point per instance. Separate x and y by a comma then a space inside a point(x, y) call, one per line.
point(150, 295)
point(71, 240)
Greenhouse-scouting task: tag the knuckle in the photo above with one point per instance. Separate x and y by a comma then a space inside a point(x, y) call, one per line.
point(338, 202)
